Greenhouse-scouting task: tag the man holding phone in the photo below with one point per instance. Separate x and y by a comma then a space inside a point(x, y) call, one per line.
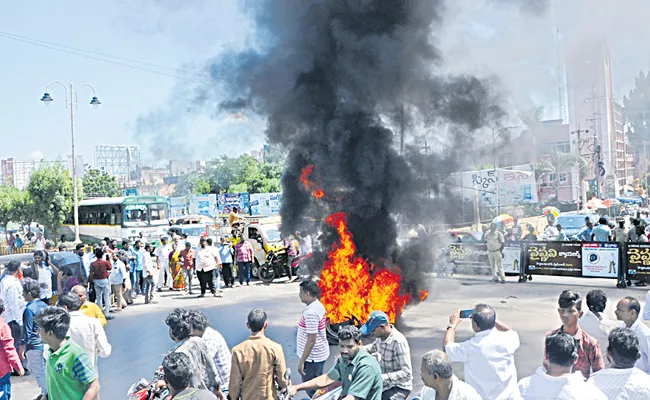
point(489, 356)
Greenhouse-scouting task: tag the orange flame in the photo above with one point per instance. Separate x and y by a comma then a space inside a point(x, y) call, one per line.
point(347, 287)
point(309, 185)
point(423, 295)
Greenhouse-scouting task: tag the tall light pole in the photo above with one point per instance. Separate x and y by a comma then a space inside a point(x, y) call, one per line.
point(72, 103)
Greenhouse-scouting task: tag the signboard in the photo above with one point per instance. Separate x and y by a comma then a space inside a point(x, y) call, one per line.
point(600, 260)
point(130, 192)
point(515, 186)
point(8, 172)
point(204, 204)
point(178, 207)
point(226, 201)
point(554, 258)
point(638, 259)
point(475, 256)
point(512, 258)
point(265, 203)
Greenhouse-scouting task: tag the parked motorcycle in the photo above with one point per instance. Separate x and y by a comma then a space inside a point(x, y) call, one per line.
point(278, 265)
point(143, 390)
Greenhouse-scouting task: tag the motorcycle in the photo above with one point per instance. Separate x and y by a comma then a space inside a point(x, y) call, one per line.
point(143, 390)
point(278, 265)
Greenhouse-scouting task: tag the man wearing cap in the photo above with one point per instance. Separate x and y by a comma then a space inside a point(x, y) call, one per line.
point(187, 258)
point(395, 356)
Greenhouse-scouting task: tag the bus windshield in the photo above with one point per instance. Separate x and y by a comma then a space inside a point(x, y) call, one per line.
point(146, 214)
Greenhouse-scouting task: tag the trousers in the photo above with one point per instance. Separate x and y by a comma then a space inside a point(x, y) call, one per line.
point(496, 263)
point(103, 292)
point(117, 292)
point(36, 364)
point(205, 280)
point(187, 275)
point(149, 287)
point(164, 268)
point(228, 277)
point(244, 271)
point(312, 370)
point(395, 393)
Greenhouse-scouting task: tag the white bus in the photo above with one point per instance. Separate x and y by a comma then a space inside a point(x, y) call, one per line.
point(133, 217)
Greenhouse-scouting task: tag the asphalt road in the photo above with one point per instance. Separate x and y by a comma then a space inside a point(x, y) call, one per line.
point(140, 337)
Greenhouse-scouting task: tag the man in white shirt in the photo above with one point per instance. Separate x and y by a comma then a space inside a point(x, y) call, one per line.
point(628, 311)
point(39, 242)
point(622, 380)
point(595, 323)
point(11, 294)
point(559, 382)
point(550, 233)
point(116, 278)
point(488, 357)
point(217, 270)
point(311, 340)
point(206, 262)
point(86, 331)
point(440, 381)
point(216, 344)
point(162, 260)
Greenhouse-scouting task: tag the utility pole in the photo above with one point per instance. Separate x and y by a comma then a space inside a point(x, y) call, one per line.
point(402, 129)
point(579, 145)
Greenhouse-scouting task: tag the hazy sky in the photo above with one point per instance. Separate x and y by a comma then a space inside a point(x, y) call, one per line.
point(486, 37)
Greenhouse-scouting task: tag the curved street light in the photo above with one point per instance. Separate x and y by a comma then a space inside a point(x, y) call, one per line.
point(72, 101)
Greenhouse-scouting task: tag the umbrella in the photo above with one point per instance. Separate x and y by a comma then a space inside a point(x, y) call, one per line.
point(595, 203)
point(611, 202)
point(503, 219)
point(550, 210)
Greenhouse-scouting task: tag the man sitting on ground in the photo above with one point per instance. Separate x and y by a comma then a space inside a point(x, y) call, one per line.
point(559, 381)
point(623, 380)
point(177, 368)
point(440, 381)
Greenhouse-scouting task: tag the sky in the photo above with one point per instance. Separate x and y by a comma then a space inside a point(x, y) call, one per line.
point(166, 33)
point(494, 39)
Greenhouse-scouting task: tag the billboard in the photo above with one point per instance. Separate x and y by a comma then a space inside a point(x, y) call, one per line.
point(515, 186)
point(203, 204)
point(265, 203)
point(8, 172)
point(226, 201)
point(178, 207)
point(638, 259)
point(554, 258)
point(600, 260)
point(475, 256)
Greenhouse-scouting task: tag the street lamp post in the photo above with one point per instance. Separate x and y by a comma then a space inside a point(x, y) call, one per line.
point(73, 99)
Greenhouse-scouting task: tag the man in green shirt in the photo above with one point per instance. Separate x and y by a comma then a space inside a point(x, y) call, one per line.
point(69, 370)
point(357, 370)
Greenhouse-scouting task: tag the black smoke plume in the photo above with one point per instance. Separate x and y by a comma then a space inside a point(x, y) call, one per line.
point(338, 79)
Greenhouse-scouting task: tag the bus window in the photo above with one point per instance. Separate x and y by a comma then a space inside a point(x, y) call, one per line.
point(135, 213)
point(159, 211)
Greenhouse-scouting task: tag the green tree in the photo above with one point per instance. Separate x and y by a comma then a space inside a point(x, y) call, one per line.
point(98, 183)
point(193, 183)
point(14, 205)
point(50, 189)
point(558, 163)
point(637, 109)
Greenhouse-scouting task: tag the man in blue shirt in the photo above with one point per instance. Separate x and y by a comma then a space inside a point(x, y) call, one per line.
point(602, 233)
point(138, 285)
point(31, 347)
point(225, 253)
point(586, 232)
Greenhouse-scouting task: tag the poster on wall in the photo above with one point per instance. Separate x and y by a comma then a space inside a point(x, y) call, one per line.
point(204, 204)
point(638, 259)
point(265, 203)
point(226, 202)
point(554, 258)
point(463, 255)
point(600, 260)
point(511, 258)
point(177, 207)
point(516, 185)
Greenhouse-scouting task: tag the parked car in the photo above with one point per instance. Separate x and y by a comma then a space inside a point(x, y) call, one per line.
point(572, 223)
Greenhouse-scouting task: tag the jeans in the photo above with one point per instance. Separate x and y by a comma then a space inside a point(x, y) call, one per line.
point(36, 364)
point(164, 268)
point(228, 278)
point(312, 370)
point(149, 287)
point(5, 387)
point(187, 275)
point(103, 292)
point(206, 279)
point(117, 292)
point(215, 279)
point(244, 271)
point(138, 285)
point(395, 393)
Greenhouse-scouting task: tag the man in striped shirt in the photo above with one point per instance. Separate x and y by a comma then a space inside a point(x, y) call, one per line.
point(311, 340)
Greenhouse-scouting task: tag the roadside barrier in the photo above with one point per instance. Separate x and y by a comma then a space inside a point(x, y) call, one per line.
point(555, 258)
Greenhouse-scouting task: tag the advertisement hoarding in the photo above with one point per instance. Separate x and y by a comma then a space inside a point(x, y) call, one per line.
point(600, 260)
point(265, 203)
point(638, 259)
point(554, 258)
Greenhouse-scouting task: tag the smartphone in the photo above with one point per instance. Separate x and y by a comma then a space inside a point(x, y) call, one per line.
point(466, 313)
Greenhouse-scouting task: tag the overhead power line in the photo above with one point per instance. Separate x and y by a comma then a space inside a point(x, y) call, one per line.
point(111, 59)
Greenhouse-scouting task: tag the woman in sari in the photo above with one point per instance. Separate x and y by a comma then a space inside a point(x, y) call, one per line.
point(178, 283)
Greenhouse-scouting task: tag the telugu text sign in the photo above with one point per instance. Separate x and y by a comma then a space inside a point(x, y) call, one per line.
point(600, 260)
point(638, 259)
point(554, 258)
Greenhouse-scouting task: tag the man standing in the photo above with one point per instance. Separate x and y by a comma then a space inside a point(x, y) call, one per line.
point(357, 370)
point(162, 259)
point(226, 253)
point(80, 249)
point(206, 263)
point(177, 368)
point(9, 359)
point(558, 380)
point(139, 267)
point(69, 369)
point(85, 331)
point(257, 363)
point(32, 348)
point(628, 310)
point(395, 356)
point(117, 277)
point(130, 256)
point(39, 242)
point(150, 274)
point(311, 341)
point(244, 252)
point(623, 380)
point(601, 233)
point(495, 243)
point(217, 347)
point(217, 259)
point(589, 356)
point(11, 294)
point(99, 270)
point(88, 307)
point(440, 381)
point(489, 357)
point(187, 259)
point(620, 233)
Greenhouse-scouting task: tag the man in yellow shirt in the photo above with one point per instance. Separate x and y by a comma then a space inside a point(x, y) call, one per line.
point(88, 308)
